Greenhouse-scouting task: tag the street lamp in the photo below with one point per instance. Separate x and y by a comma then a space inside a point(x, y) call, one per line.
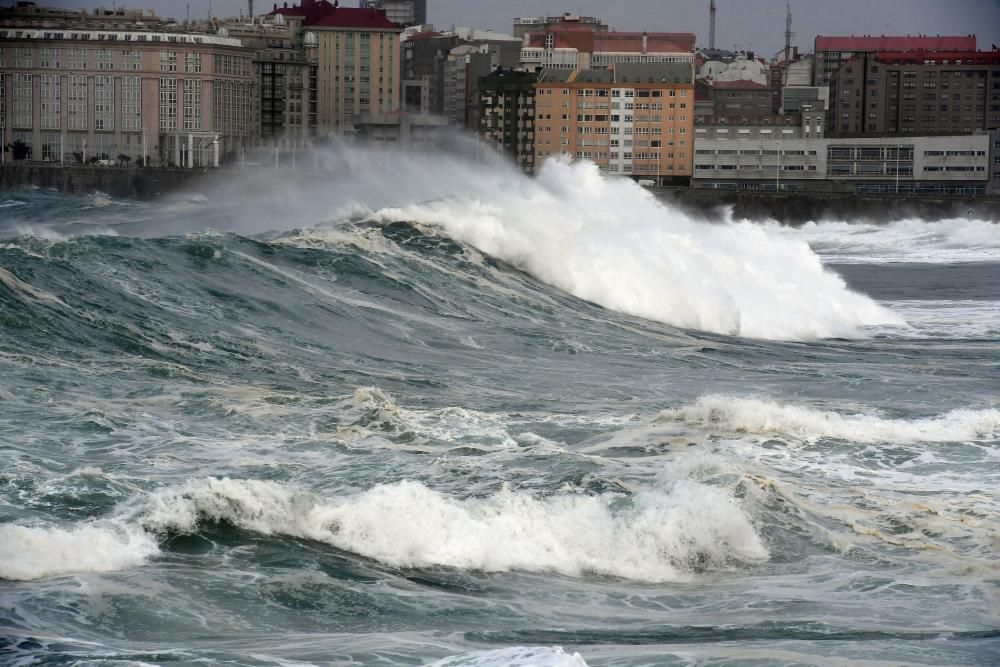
point(897, 169)
point(777, 173)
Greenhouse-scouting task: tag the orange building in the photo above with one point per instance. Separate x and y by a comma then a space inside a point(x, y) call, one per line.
point(630, 119)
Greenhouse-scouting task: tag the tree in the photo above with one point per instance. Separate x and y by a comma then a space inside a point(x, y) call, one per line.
point(124, 159)
point(20, 150)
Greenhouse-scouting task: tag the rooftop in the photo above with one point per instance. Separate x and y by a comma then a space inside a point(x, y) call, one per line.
point(897, 43)
point(323, 14)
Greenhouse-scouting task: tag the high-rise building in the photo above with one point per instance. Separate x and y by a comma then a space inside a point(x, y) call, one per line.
point(507, 114)
point(356, 56)
point(403, 12)
point(630, 119)
point(155, 92)
point(917, 92)
point(831, 53)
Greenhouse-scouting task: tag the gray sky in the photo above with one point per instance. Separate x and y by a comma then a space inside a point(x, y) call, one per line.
point(755, 24)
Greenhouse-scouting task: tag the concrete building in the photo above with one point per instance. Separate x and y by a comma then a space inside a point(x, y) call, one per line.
point(794, 159)
point(449, 64)
point(507, 114)
point(574, 48)
point(522, 26)
point(401, 12)
point(287, 81)
point(917, 92)
point(994, 184)
point(401, 130)
point(163, 97)
point(630, 119)
point(356, 55)
point(830, 53)
point(748, 102)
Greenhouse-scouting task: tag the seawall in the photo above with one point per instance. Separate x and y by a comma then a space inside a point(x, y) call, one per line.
point(789, 208)
point(800, 207)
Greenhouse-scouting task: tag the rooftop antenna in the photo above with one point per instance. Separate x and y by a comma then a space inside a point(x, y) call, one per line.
point(187, 13)
point(711, 24)
point(788, 35)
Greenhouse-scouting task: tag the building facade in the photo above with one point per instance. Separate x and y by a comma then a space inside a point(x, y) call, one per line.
point(785, 158)
point(527, 24)
point(159, 98)
point(401, 12)
point(630, 119)
point(574, 48)
point(918, 92)
point(507, 114)
point(831, 53)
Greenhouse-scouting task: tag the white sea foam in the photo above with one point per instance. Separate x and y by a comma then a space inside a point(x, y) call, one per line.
point(36, 553)
point(652, 536)
point(764, 417)
point(515, 656)
point(909, 240)
point(609, 241)
point(947, 319)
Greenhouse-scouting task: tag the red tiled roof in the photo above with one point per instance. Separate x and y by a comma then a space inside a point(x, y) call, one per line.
point(353, 17)
point(323, 14)
point(977, 57)
point(424, 35)
point(897, 43)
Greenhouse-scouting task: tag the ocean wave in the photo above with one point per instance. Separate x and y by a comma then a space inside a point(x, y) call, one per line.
point(515, 656)
point(609, 241)
point(652, 536)
point(763, 417)
point(40, 552)
point(908, 240)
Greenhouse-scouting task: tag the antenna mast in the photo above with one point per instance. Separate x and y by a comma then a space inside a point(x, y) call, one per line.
point(711, 24)
point(788, 39)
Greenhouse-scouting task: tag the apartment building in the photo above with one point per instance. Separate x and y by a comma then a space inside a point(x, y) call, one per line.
point(527, 24)
point(917, 92)
point(507, 114)
point(630, 119)
point(400, 12)
point(163, 98)
point(831, 52)
point(356, 56)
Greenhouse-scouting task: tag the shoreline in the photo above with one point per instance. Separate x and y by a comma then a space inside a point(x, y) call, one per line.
point(793, 208)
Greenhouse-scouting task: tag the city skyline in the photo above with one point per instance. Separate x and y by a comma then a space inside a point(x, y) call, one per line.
point(755, 26)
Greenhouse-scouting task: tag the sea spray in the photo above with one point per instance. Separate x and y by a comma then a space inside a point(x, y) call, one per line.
point(766, 417)
point(609, 241)
point(654, 536)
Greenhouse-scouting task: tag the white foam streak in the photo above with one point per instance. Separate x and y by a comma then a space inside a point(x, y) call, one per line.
point(515, 656)
point(763, 417)
point(609, 241)
point(654, 536)
point(35, 552)
point(908, 240)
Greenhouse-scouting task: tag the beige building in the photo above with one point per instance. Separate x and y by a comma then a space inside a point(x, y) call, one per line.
point(74, 95)
point(630, 119)
point(355, 52)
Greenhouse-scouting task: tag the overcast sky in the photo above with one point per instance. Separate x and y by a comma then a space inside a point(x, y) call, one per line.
point(754, 24)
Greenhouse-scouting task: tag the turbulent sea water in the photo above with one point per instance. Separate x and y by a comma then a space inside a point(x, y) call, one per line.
point(431, 413)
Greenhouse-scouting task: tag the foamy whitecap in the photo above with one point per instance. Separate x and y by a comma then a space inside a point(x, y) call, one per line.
point(515, 656)
point(750, 415)
point(907, 240)
point(38, 552)
point(609, 241)
point(652, 536)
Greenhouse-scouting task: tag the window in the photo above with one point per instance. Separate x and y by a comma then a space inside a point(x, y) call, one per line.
point(49, 59)
point(21, 97)
point(131, 103)
point(76, 58)
point(168, 103)
point(77, 102)
point(50, 99)
point(104, 103)
point(168, 61)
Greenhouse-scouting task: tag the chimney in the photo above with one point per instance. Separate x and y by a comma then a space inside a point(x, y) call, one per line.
point(645, 41)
